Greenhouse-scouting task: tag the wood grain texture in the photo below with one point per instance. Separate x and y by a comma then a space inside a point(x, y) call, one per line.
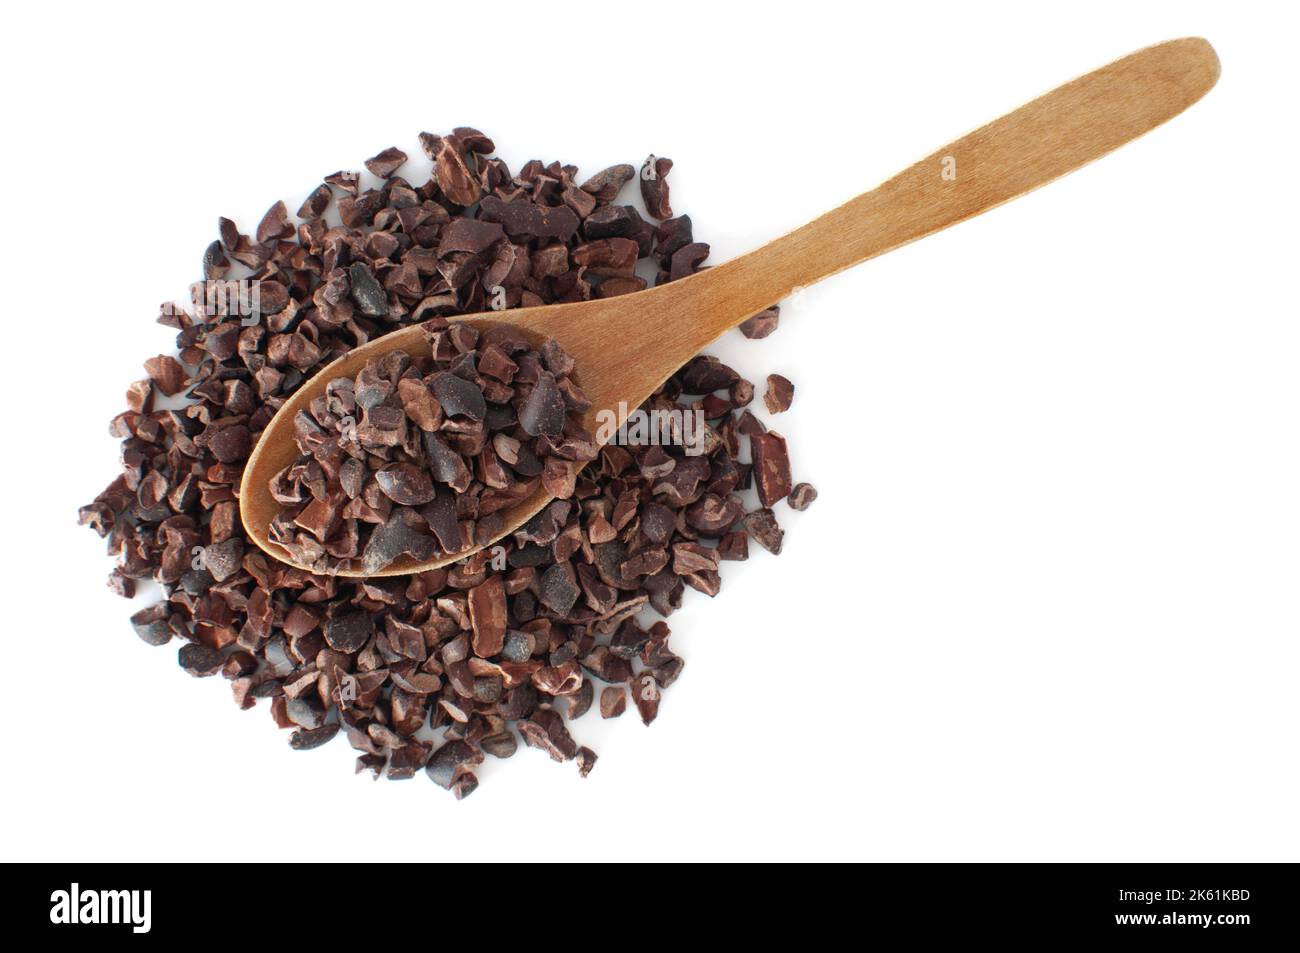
point(626, 347)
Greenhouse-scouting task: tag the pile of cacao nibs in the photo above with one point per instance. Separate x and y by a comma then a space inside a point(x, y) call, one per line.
point(438, 669)
point(418, 456)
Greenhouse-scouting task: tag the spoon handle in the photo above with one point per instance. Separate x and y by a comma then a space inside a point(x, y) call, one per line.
point(1057, 133)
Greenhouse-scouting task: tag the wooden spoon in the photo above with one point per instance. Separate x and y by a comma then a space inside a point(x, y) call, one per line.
point(626, 347)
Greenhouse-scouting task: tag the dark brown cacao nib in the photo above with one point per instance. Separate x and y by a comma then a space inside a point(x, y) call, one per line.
point(771, 467)
point(780, 392)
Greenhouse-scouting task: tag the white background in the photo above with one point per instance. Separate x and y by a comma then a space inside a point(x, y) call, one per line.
point(1046, 605)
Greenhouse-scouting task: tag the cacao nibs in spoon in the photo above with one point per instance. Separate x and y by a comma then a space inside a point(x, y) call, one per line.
point(432, 672)
point(416, 456)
